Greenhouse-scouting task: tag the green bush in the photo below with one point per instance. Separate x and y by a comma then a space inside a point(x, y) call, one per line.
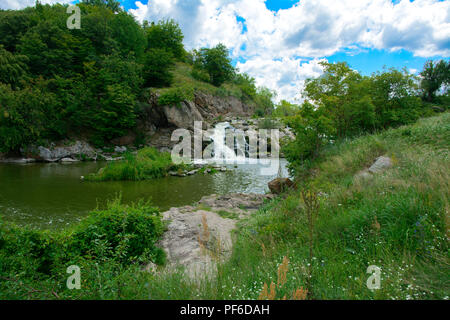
point(157, 65)
point(107, 245)
point(149, 163)
point(174, 96)
point(134, 229)
point(200, 75)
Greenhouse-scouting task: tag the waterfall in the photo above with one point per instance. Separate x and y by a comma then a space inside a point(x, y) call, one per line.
point(221, 151)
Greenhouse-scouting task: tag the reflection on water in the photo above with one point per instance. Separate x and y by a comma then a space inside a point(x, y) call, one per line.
point(52, 195)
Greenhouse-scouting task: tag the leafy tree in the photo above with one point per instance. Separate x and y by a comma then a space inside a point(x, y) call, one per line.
point(112, 5)
point(13, 68)
point(216, 62)
point(246, 83)
point(264, 101)
point(22, 116)
point(128, 34)
point(313, 129)
point(338, 92)
point(434, 75)
point(157, 65)
point(167, 35)
point(14, 24)
point(286, 109)
point(394, 95)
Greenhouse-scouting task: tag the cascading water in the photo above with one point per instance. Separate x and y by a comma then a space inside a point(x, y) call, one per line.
point(231, 150)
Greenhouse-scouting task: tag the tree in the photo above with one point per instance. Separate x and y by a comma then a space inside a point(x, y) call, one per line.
point(113, 5)
point(216, 62)
point(22, 116)
point(394, 95)
point(286, 109)
point(313, 129)
point(246, 83)
point(167, 35)
point(264, 101)
point(342, 96)
point(13, 68)
point(157, 65)
point(434, 75)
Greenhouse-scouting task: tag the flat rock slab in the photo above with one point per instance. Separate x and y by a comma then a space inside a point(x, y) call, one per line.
point(381, 164)
point(197, 236)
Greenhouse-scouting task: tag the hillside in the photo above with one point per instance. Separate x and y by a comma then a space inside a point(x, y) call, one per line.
point(397, 220)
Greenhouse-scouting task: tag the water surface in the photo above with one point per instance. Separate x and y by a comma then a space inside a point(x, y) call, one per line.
point(53, 195)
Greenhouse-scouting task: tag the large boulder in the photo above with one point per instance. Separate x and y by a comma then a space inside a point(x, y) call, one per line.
point(279, 185)
point(77, 150)
point(381, 164)
point(183, 115)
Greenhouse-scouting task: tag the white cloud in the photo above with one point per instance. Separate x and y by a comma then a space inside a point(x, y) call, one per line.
point(20, 4)
point(287, 75)
point(312, 29)
point(273, 44)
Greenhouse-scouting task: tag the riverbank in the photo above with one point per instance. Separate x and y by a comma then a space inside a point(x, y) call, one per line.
point(371, 212)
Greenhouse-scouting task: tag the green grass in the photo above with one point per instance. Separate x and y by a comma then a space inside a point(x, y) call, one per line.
point(149, 163)
point(410, 202)
point(184, 84)
point(110, 246)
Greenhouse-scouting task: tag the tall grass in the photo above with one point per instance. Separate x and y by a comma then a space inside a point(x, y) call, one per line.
point(149, 163)
point(397, 220)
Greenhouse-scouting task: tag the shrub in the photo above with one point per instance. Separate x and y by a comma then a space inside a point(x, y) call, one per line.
point(200, 75)
point(149, 163)
point(109, 246)
point(157, 65)
point(132, 229)
point(176, 95)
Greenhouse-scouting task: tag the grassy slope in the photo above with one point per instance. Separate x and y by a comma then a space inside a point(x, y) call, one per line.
point(410, 201)
point(184, 80)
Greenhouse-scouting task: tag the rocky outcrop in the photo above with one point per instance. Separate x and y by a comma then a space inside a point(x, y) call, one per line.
point(280, 185)
point(183, 115)
point(204, 107)
point(78, 150)
point(381, 164)
point(197, 237)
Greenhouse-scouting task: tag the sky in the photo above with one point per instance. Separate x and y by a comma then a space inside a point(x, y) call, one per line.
point(281, 42)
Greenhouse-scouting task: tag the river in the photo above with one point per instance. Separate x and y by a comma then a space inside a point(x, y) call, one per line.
point(52, 195)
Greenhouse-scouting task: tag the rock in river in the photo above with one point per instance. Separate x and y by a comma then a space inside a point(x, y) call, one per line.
point(280, 185)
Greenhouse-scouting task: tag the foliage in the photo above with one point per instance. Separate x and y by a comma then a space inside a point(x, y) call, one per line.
point(13, 68)
point(285, 109)
point(264, 101)
point(107, 245)
point(247, 84)
point(342, 103)
point(157, 65)
point(167, 35)
point(216, 63)
point(149, 163)
point(173, 96)
point(23, 115)
point(313, 129)
point(434, 75)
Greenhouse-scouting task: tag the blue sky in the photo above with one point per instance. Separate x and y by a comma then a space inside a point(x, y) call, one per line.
point(281, 42)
